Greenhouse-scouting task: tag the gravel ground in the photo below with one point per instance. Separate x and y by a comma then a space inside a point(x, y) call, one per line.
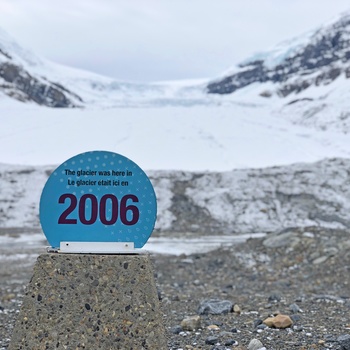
point(301, 273)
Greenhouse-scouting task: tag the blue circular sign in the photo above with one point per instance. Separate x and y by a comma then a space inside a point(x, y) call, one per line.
point(98, 196)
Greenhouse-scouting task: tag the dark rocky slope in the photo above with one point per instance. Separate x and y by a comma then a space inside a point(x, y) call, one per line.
point(315, 59)
point(23, 86)
point(21, 78)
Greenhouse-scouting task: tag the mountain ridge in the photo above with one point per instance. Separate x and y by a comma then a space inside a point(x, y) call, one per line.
point(27, 77)
point(306, 54)
point(303, 80)
point(19, 82)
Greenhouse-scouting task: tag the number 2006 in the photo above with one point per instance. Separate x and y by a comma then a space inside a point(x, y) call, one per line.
point(99, 209)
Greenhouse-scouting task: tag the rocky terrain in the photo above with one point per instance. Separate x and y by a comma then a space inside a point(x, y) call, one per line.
point(256, 200)
point(235, 202)
point(21, 85)
point(225, 299)
point(303, 274)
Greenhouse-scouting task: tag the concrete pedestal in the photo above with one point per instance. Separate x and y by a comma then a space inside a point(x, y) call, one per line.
point(82, 301)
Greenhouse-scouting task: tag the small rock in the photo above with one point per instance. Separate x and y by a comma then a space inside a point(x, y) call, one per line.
point(176, 330)
point(175, 298)
point(213, 327)
point(275, 297)
point(257, 322)
point(191, 323)
point(225, 334)
point(215, 307)
point(300, 299)
point(344, 342)
point(230, 342)
point(237, 309)
point(330, 338)
point(8, 297)
point(320, 260)
point(280, 321)
point(295, 318)
point(269, 321)
point(281, 240)
point(255, 344)
point(294, 308)
point(308, 234)
point(211, 340)
point(298, 328)
point(331, 251)
point(159, 293)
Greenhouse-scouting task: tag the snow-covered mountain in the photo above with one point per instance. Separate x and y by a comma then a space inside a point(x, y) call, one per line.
point(255, 126)
point(213, 165)
point(19, 77)
point(28, 77)
point(306, 79)
point(314, 59)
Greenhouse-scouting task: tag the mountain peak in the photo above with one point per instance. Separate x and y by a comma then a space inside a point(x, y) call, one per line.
point(19, 78)
point(316, 57)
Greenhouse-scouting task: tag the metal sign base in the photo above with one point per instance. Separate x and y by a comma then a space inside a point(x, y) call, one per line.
point(97, 247)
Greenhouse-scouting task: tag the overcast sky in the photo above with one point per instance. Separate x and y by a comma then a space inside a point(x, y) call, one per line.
point(151, 40)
